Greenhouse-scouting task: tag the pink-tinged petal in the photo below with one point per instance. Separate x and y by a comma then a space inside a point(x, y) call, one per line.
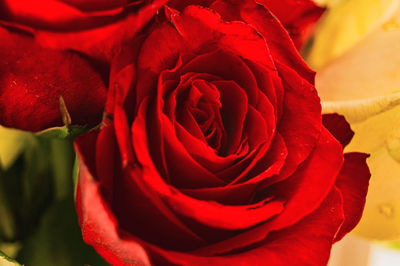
point(98, 224)
point(339, 128)
point(352, 182)
point(306, 243)
point(33, 79)
point(304, 190)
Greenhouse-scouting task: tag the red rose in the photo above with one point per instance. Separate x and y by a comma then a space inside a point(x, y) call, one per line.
point(297, 16)
point(214, 152)
point(93, 27)
point(33, 78)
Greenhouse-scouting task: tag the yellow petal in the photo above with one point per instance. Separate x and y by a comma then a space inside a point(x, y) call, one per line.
point(363, 84)
point(12, 144)
point(376, 123)
point(344, 24)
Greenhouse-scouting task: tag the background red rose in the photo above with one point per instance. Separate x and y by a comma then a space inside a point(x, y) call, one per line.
point(95, 28)
point(214, 152)
point(32, 80)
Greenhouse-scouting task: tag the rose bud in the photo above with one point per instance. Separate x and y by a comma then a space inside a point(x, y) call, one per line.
point(214, 152)
point(363, 85)
point(33, 79)
point(93, 27)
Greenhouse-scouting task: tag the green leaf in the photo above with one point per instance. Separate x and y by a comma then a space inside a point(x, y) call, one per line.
point(6, 261)
point(58, 240)
point(62, 132)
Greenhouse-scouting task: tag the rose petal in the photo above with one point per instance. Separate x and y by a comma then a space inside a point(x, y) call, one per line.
point(339, 128)
point(352, 182)
point(305, 190)
point(298, 17)
point(301, 123)
point(308, 242)
point(98, 224)
point(34, 78)
point(278, 40)
point(101, 43)
point(58, 15)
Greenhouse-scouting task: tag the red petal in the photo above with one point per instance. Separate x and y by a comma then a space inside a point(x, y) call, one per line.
point(98, 224)
point(106, 158)
point(278, 40)
point(300, 124)
point(307, 243)
point(33, 78)
point(60, 16)
point(305, 191)
point(298, 17)
point(101, 43)
point(352, 182)
point(339, 128)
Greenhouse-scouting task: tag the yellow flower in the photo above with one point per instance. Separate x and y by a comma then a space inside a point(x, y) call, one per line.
point(364, 85)
point(344, 24)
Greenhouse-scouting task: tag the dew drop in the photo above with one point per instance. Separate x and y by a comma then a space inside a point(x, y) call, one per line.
point(393, 145)
point(391, 25)
point(386, 210)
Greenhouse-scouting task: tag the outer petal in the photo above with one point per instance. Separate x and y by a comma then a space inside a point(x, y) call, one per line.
point(352, 182)
point(298, 17)
point(301, 190)
point(58, 15)
point(339, 128)
point(314, 233)
point(99, 227)
point(308, 242)
point(33, 78)
point(101, 43)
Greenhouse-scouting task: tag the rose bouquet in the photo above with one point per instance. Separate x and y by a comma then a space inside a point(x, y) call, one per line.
point(169, 133)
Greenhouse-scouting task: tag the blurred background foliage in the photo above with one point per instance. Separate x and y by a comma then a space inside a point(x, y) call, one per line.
point(38, 222)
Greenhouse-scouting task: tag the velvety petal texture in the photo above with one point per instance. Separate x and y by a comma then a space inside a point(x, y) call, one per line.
point(297, 16)
point(33, 78)
point(95, 28)
point(213, 150)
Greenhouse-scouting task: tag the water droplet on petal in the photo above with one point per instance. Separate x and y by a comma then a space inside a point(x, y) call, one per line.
point(391, 25)
point(393, 145)
point(386, 210)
